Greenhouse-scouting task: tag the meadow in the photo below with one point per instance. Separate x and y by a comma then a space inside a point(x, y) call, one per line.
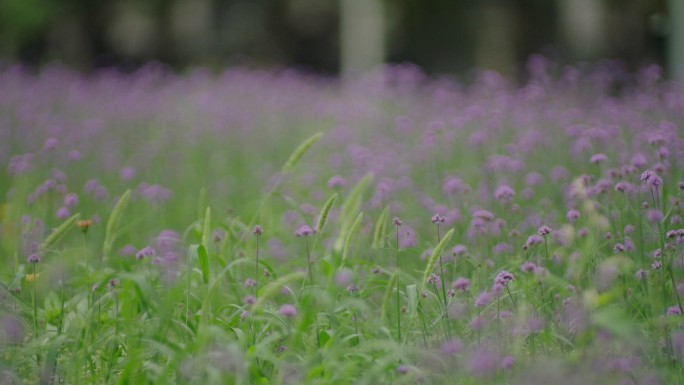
point(279, 227)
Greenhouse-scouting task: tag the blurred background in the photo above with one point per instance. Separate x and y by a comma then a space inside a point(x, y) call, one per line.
point(341, 36)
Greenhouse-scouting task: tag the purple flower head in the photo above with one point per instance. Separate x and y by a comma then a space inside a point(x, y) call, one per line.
point(598, 158)
point(50, 144)
point(654, 216)
point(641, 274)
point(397, 222)
point(458, 250)
point(258, 230)
point(544, 230)
point(337, 181)
point(128, 250)
point(127, 173)
point(647, 175)
point(619, 248)
point(145, 252)
point(528, 267)
point(75, 155)
point(483, 299)
point(438, 219)
point(462, 284)
point(250, 300)
point(534, 239)
point(657, 265)
point(402, 369)
point(484, 362)
point(452, 347)
point(504, 277)
point(504, 193)
point(508, 362)
point(573, 215)
point(63, 213)
point(434, 279)
point(287, 310)
point(114, 283)
point(674, 310)
point(33, 258)
point(483, 215)
point(344, 277)
point(304, 231)
point(249, 282)
point(71, 200)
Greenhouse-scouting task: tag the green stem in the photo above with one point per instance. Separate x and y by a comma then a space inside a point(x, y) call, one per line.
point(398, 294)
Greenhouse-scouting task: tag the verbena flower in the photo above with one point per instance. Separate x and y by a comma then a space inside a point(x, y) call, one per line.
point(287, 310)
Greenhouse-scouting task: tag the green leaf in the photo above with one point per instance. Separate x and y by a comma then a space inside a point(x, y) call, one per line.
point(206, 228)
point(204, 262)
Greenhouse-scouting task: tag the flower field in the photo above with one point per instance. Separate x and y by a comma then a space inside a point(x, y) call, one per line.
point(253, 227)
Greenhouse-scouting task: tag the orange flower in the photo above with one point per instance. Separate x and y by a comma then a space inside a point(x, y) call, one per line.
point(84, 225)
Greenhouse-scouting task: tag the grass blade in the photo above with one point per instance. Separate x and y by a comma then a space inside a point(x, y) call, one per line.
point(300, 151)
point(206, 228)
point(350, 210)
point(350, 235)
point(59, 233)
point(323, 218)
point(380, 230)
point(113, 222)
point(439, 249)
point(204, 262)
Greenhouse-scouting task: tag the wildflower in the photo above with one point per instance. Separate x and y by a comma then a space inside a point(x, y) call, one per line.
point(114, 283)
point(249, 282)
point(337, 181)
point(71, 200)
point(654, 216)
point(352, 289)
point(258, 230)
point(674, 310)
point(84, 225)
point(145, 252)
point(462, 284)
point(528, 267)
point(619, 248)
point(434, 279)
point(508, 362)
point(34, 258)
point(657, 265)
point(504, 193)
point(244, 315)
point(544, 231)
point(483, 299)
point(641, 274)
point(403, 369)
point(458, 250)
point(573, 215)
point(63, 213)
point(598, 158)
point(397, 222)
point(438, 219)
point(250, 300)
point(304, 231)
point(503, 278)
point(288, 311)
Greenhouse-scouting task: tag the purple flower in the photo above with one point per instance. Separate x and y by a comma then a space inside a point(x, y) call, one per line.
point(641, 274)
point(458, 250)
point(63, 213)
point(598, 158)
point(71, 200)
point(452, 347)
point(528, 267)
point(483, 299)
point(434, 279)
point(544, 230)
point(250, 300)
point(508, 362)
point(438, 219)
point(145, 252)
point(249, 282)
point(258, 230)
point(34, 258)
point(484, 362)
point(657, 265)
point(573, 215)
point(304, 231)
point(504, 277)
point(403, 369)
point(337, 181)
point(397, 222)
point(619, 248)
point(504, 193)
point(127, 173)
point(654, 216)
point(674, 310)
point(288, 311)
point(462, 284)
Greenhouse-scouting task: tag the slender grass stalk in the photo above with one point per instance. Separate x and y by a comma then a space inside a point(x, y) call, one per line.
point(397, 224)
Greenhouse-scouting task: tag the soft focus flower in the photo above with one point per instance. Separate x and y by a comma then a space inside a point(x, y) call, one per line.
point(288, 311)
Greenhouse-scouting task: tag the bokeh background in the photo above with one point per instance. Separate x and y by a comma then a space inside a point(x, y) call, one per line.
point(341, 36)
